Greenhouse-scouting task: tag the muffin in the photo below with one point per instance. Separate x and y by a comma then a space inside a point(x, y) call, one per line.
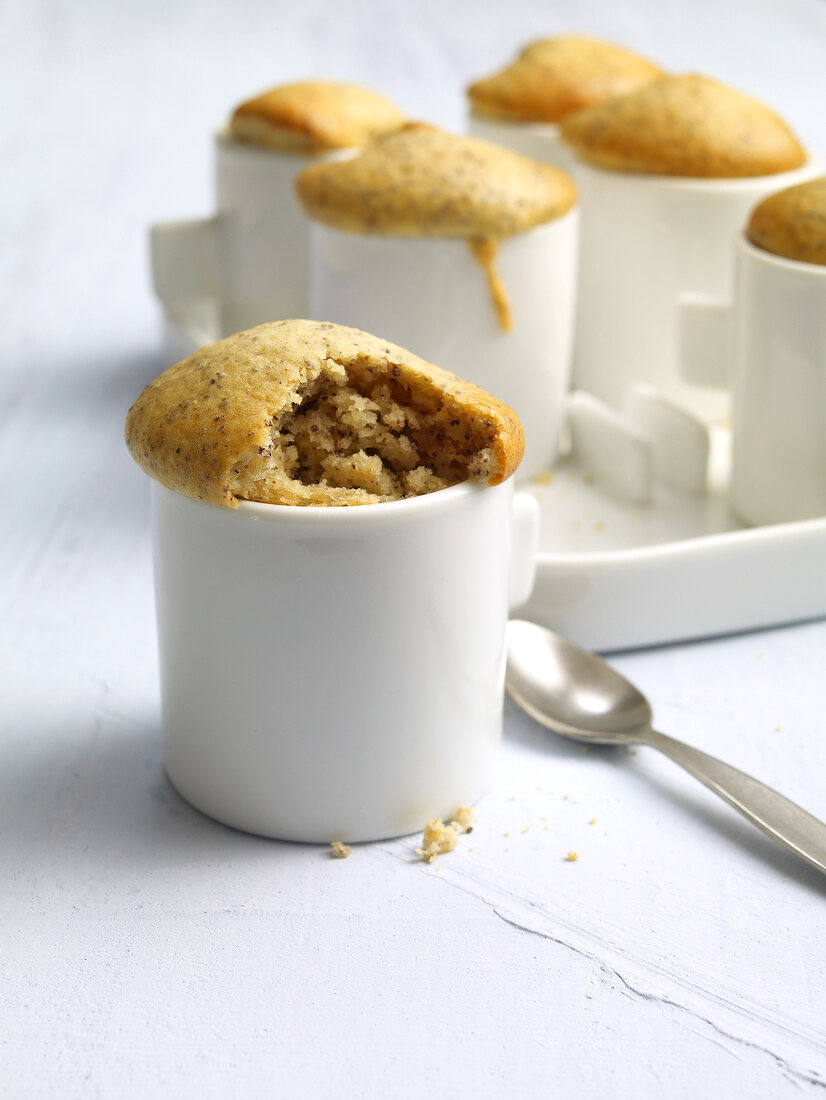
point(423, 182)
point(684, 126)
point(311, 413)
point(792, 223)
point(552, 77)
point(313, 116)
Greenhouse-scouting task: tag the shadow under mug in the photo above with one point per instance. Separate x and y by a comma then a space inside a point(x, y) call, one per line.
point(769, 346)
point(645, 240)
point(337, 673)
point(431, 295)
point(540, 141)
point(249, 262)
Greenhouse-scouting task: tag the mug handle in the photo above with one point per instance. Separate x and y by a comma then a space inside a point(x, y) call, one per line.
point(524, 548)
point(704, 340)
point(184, 264)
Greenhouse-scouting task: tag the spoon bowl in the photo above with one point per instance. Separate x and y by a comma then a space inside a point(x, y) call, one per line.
point(577, 694)
point(572, 691)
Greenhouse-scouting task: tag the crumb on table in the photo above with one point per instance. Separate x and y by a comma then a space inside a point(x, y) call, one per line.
point(340, 850)
point(572, 857)
point(463, 819)
point(439, 838)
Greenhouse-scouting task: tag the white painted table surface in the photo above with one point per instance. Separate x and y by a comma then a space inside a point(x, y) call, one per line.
point(147, 951)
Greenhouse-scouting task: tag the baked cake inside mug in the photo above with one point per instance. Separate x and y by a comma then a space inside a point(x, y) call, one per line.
point(685, 126)
point(421, 181)
point(311, 413)
point(313, 116)
point(792, 223)
point(552, 77)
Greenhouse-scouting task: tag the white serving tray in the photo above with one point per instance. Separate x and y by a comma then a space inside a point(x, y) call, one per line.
point(613, 575)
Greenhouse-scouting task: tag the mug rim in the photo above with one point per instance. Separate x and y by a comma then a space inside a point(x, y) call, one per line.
point(336, 515)
point(227, 143)
point(806, 171)
point(762, 255)
point(228, 146)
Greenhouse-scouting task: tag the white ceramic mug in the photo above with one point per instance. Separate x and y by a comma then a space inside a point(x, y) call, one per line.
point(541, 141)
point(769, 346)
point(645, 240)
point(431, 294)
point(337, 673)
point(247, 264)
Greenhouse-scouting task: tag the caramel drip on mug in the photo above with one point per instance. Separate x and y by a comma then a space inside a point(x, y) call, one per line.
point(484, 250)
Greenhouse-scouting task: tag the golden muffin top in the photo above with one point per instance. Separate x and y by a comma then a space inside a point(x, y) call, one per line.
point(423, 182)
point(555, 76)
point(312, 116)
point(311, 413)
point(684, 126)
point(792, 223)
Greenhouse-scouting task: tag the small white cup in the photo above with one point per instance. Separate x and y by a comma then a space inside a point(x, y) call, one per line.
point(337, 673)
point(769, 345)
point(539, 140)
point(431, 294)
point(645, 240)
point(247, 264)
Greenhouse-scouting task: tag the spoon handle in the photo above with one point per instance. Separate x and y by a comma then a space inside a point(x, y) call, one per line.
point(781, 819)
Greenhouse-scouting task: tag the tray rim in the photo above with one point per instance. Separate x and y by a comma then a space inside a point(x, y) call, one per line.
point(764, 533)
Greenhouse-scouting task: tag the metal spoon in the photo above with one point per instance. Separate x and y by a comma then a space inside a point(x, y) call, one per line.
point(575, 693)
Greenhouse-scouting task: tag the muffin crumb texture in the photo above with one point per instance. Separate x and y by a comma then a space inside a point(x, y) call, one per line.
point(340, 850)
point(792, 223)
point(553, 77)
point(312, 116)
point(685, 126)
point(311, 413)
point(439, 838)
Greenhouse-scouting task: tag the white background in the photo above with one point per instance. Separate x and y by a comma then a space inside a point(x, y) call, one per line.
point(147, 951)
